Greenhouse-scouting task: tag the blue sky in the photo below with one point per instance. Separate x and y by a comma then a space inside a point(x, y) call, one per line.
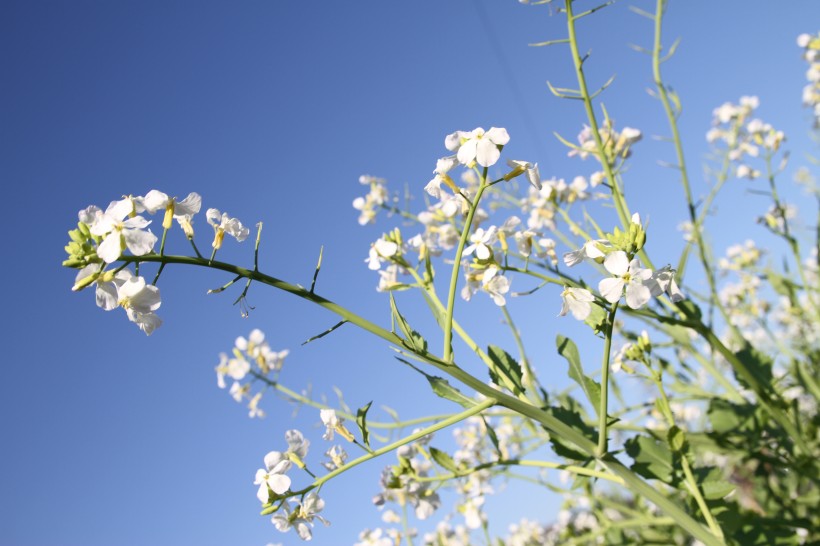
point(271, 111)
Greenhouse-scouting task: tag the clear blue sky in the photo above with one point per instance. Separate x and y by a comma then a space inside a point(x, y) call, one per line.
point(271, 111)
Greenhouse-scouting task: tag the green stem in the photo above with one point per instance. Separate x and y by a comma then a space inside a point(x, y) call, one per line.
point(617, 197)
point(451, 297)
point(603, 420)
point(580, 470)
point(691, 482)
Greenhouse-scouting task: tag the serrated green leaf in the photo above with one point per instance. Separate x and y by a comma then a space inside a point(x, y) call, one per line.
point(592, 390)
point(653, 460)
point(505, 366)
point(444, 460)
point(361, 420)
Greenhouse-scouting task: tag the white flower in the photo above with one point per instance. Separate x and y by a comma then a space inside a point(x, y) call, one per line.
point(235, 368)
point(297, 444)
point(479, 146)
point(302, 518)
point(481, 241)
point(182, 211)
point(663, 280)
point(334, 423)
point(382, 250)
point(140, 300)
point(272, 476)
point(625, 274)
point(578, 301)
point(531, 169)
point(223, 224)
point(338, 457)
point(590, 251)
point(119, 233)
point(443, 166)
point(133, 294)
point(495, 285)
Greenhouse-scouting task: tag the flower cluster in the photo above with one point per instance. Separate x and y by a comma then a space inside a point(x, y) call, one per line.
point(616, 145)
point(251, 356)
point(369, 205)
point(743, 136)
point(811, 92)
point(103, 237)
point(628, 277)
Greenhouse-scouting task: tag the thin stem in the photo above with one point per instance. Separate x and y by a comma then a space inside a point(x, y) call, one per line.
point(580, 470)
point(691, 482)
point(451, 297)
point(603, 419)
point(593, 121)
point(478, 408)
point(161, 251)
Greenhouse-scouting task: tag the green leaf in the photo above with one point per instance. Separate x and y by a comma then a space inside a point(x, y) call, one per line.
point(443, 389)
point(653, 460)
point(413, 339)
point(493, 437)
point(781, 284)
point(759, 367)
point(592, 390)
point(505, 366)
point(718, 489)
point(690, 309)
point(596, 319)
point(574, 420)
point(676, 439)
point(728, 417)
point(361, 420)
point(444, 460)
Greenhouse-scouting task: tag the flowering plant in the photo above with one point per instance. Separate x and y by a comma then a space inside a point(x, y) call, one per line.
point(726, 451)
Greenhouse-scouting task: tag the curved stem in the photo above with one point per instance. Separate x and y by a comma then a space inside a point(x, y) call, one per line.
point(554, 425)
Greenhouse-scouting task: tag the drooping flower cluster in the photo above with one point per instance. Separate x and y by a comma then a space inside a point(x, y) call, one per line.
point(104, 237)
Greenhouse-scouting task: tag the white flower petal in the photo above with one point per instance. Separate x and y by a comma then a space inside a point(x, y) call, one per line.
point(611, 289)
